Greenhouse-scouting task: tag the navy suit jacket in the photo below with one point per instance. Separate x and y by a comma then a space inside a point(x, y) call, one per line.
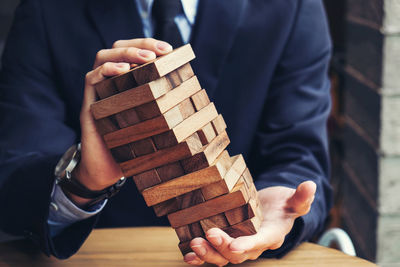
point(263, 62)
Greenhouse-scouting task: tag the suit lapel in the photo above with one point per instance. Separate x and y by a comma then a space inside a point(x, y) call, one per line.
point(115, 20)
point(213, 36)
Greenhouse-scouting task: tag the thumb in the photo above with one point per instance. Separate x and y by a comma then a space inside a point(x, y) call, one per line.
point(300, 202)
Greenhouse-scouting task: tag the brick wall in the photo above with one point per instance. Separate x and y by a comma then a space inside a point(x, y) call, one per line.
point(368, 174)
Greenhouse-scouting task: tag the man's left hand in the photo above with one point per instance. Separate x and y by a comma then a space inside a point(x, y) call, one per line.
point(280, 207)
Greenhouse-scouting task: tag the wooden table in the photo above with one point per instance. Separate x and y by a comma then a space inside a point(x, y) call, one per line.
point(156, 246)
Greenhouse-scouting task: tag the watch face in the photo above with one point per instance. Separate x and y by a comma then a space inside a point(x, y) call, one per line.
point(65, 161)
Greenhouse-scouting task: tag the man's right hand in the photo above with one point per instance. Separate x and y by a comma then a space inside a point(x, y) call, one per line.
point(97, 169)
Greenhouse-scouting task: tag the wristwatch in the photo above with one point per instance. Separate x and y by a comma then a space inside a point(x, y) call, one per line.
point(65, 179)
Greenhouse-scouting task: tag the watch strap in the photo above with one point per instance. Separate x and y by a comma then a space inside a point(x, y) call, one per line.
point(75, 187)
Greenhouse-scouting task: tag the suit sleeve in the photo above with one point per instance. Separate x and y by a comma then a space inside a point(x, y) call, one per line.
point(34, 133)
point(291, 144)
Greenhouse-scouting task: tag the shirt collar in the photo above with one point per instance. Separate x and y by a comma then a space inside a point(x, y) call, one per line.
point(189, 8)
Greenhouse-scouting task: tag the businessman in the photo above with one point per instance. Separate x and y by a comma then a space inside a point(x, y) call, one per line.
point(263, 63)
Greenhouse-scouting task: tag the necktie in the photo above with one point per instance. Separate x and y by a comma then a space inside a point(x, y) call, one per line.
point(164, 12)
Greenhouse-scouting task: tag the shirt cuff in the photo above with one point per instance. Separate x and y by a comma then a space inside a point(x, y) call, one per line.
point(63, 212)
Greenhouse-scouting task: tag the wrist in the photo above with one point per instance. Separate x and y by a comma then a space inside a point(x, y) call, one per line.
point(77, 183)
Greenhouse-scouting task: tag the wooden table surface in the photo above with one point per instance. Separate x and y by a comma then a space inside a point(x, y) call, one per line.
point(156, 246)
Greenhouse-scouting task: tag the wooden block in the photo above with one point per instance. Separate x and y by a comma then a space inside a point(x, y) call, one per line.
point(241, 214)
point(185, 72)
point(164, 140)
point(105, 126)
point(196, 230)
point(206, 134)
point(189, 199)
point(146, 179)
point(238, 197)
point(148, 111)
point(127, 118)
point(186, 127)
point(122, 153)
point(188, 232)
point(144, 129)
point(248, 227)
point(163, 65)
point(184, 201)
point(208, 155)
point(230, 179)
point(170, 171)
point(219, 124)
point(105, 89)
point(184, 233)
point(170, 99)
point(143, 147)
point(187, 148)
point(186, 108)
point(248, 178)
point(216, 221)
point(125, 82)
point(185, 248)
point(200, 100)
point(130, 99)
point(186, 183)
point(166, 207)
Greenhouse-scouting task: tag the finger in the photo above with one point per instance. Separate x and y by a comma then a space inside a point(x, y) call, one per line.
point(123, 54)
point(300, 202)
point(269, 236)
point(191, 258)
point(157, 46)
point(221, 242)
point(207, 253)
point(99, 74)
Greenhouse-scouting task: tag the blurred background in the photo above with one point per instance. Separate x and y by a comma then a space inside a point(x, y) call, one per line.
point(364, 126)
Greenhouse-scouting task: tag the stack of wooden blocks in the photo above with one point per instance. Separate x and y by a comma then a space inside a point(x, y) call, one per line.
point(162, 129)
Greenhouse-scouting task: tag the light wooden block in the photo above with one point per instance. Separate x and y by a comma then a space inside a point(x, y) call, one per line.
point(208, 155)
point(183, 73)
point(238, 197)
point(230, 179)
point(146, 179)
point(216, 221)
point(186, 183)
point(206, 134)
point(185, 149)
point(200, 100)
point(219, 124)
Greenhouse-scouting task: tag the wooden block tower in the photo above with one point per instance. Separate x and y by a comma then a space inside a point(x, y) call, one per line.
point(162, 129)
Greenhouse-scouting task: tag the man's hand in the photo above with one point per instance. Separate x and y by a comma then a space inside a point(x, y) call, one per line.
point(280, 207)
point(97, 169)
